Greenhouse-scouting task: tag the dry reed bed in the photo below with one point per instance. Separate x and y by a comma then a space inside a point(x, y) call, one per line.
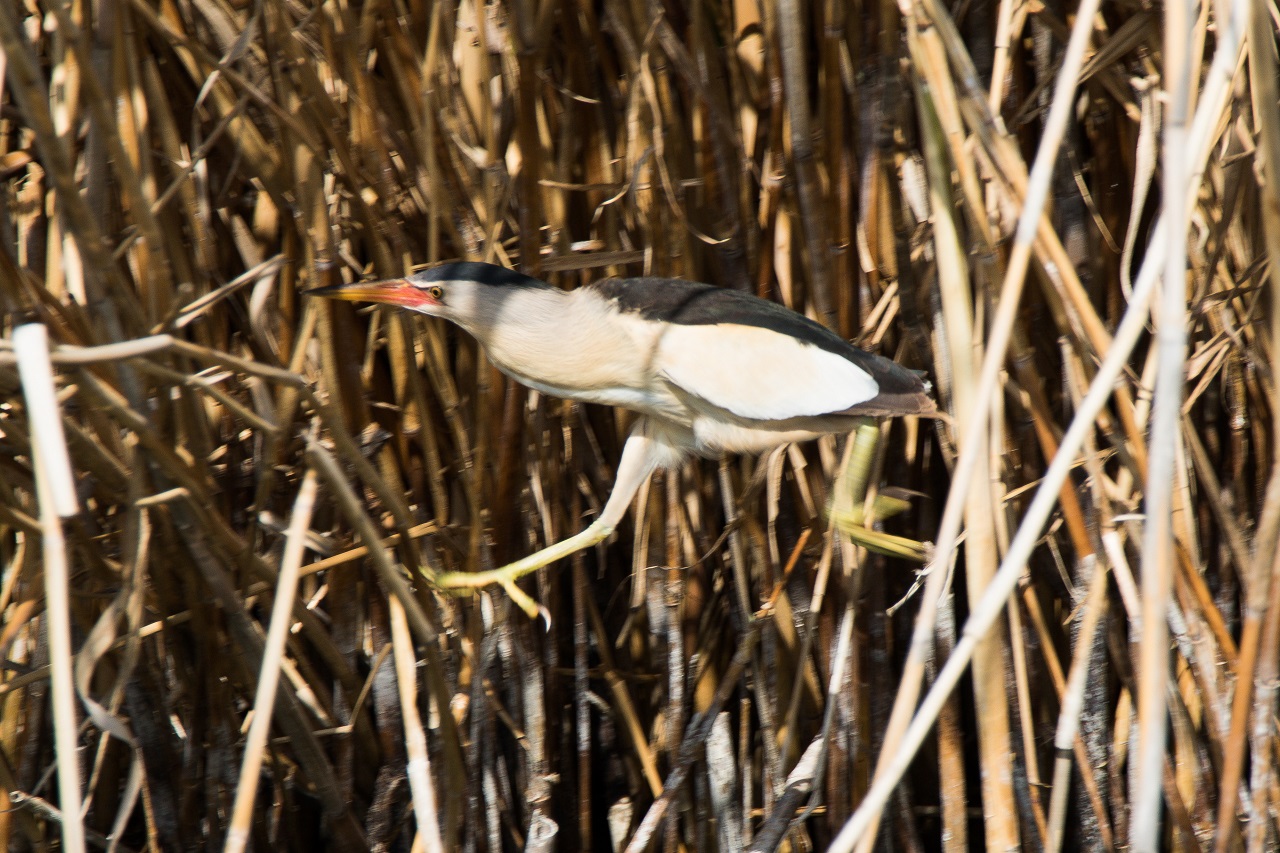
point(176, 172)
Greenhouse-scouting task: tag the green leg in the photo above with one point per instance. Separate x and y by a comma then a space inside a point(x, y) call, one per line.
point(848, 510)
point(851, 485)
point(640, 456)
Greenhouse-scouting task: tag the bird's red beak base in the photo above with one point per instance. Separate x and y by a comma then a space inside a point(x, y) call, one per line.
point(396, 291)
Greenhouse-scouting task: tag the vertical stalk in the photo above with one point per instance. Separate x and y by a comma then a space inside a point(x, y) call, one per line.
point(998, 808)
point(1262, 608)
point(791, 16)
point(57, 497)
point(1064, 739)
point(1171, 344)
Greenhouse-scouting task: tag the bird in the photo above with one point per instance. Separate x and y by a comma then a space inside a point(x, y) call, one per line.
point(709, 370)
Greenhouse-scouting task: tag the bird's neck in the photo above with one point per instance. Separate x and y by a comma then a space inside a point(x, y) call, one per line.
point(524, 327)
point(488, 311)
point(552, 340)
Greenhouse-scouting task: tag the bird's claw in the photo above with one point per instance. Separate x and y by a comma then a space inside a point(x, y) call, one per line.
point(467, 583)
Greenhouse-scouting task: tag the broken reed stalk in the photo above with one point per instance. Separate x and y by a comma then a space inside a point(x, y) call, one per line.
point(418, 766)
point(57, 498)
point(272, 661)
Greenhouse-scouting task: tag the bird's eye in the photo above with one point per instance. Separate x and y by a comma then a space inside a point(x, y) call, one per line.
point(437, 292)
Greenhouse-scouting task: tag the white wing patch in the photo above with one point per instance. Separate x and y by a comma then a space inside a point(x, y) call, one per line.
point(757, 373)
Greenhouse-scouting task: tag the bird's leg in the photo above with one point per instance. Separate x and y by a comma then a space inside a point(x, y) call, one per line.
point(643, 452)
point(849, 510)
point(853, 480)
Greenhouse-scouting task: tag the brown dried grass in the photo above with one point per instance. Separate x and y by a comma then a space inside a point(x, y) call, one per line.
point(176, 172)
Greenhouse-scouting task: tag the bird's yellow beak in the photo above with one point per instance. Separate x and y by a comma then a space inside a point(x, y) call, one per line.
point(396, 291)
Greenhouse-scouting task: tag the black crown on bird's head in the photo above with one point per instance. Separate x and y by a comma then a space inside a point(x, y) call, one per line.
point(480, 273)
